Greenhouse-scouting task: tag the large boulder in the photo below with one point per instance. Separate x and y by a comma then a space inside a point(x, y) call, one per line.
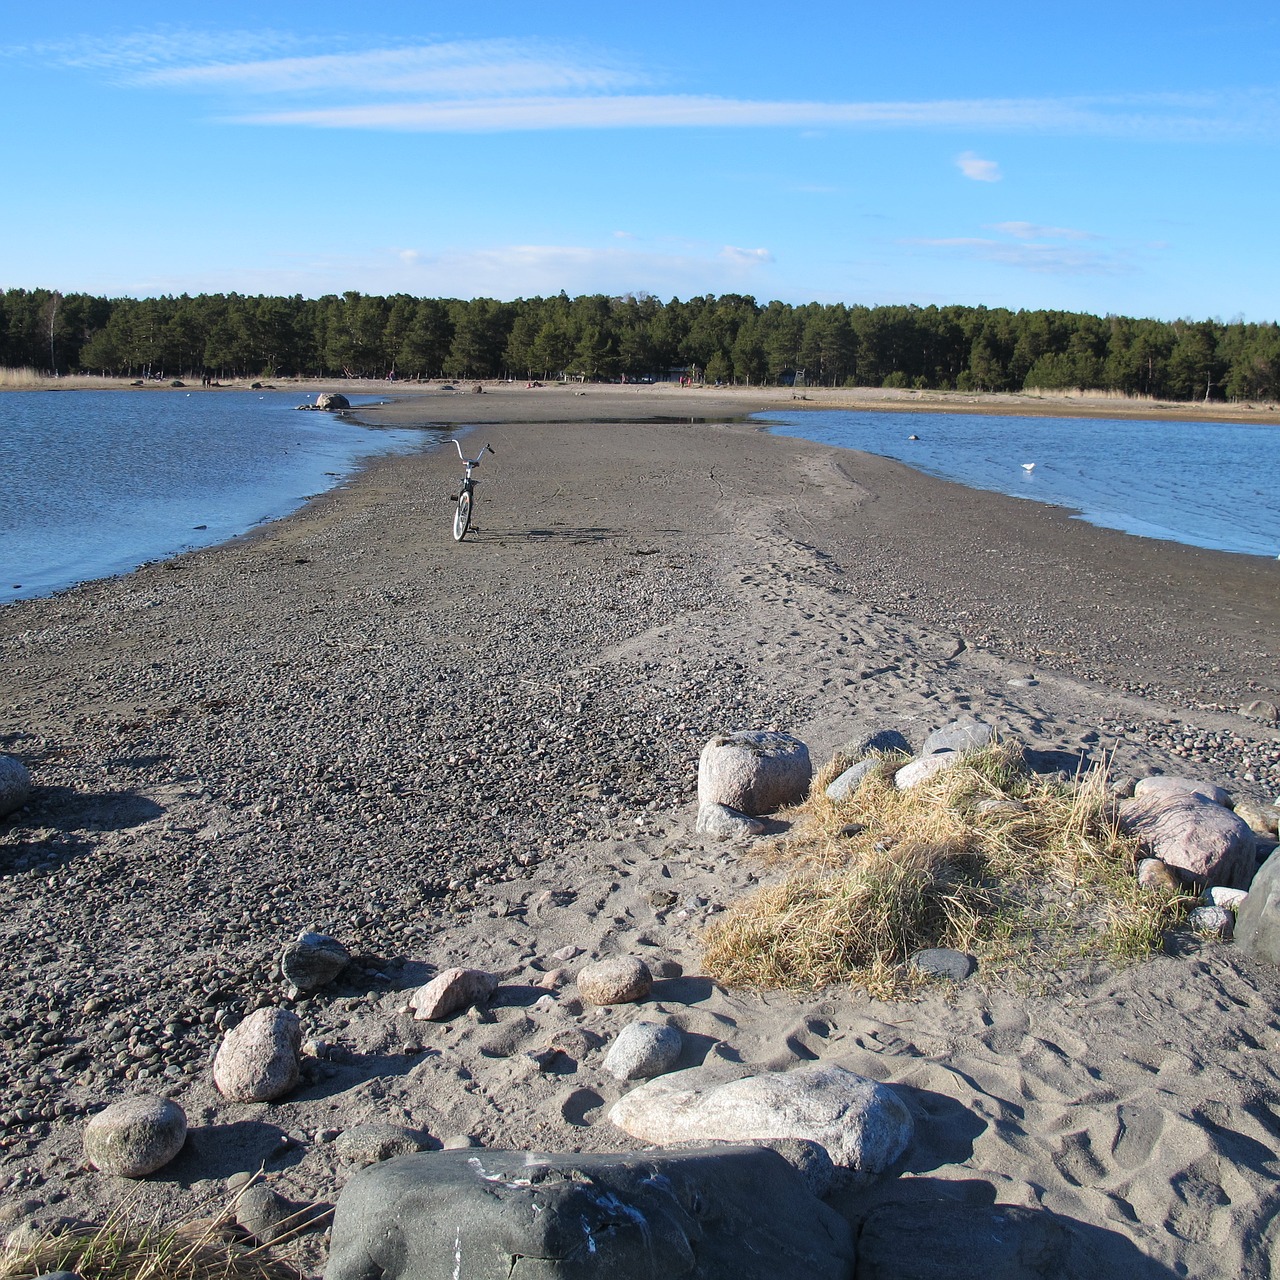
point(451, 991)
point(258, 1061)
point(1201, 840)
point(135, 1136)
point(1164, 786)
point(1257, 930)
point(755, 772)
point(15, 784)
point(864, 1126)
point(698, 1214)
point(332, 400)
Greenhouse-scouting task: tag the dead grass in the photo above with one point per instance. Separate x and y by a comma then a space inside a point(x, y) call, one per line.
point(125, 1248)
point(1027, 872)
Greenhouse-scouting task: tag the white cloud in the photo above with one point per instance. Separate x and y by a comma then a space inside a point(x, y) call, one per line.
point(746, 257)
point(468, 86)
point(1034, 231)
point(979, 170)
point(1046, 250)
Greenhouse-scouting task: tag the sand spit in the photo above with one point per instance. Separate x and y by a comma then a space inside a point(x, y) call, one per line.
point(483, 755)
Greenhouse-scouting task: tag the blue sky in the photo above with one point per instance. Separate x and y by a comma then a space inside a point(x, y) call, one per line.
point(1105, 157)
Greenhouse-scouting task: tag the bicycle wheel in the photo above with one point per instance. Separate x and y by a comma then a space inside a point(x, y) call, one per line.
point(462, 516)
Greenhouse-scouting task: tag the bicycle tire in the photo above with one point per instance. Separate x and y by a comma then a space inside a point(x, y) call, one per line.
point(462, 516)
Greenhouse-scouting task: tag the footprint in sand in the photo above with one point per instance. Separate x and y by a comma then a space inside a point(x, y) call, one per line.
point(1137, 1131)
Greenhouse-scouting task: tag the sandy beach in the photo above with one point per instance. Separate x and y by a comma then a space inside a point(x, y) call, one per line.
point(485, 754)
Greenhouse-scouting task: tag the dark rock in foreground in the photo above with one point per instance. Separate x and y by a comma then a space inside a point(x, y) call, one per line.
point(742, 1212)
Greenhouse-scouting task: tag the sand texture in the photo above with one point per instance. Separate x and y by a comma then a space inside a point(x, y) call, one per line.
point(484, 755)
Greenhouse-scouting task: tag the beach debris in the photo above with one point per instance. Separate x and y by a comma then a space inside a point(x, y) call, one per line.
point(314, 960)
point(15, 784)
point(754, 771)
point(1216, 924)
point(643, 1050)
point(724, 823)
point(631, 1215)
point(1205, 842)
point(944, 962)
point(135, 1136)
point(369, 1143)
point(616, 980)
point(864, 1126)
point(258, 1060)
point(450, 991)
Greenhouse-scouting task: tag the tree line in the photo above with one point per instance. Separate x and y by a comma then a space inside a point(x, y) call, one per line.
point(730, 338)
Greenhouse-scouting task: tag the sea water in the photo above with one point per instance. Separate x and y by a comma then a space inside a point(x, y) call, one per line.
point(95, 483)
point(1206, 484)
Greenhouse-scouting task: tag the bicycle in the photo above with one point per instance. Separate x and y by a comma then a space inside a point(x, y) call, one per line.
point(466, 495)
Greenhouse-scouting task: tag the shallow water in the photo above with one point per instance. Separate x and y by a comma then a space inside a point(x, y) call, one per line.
point(94, 483)
point(1206, 484)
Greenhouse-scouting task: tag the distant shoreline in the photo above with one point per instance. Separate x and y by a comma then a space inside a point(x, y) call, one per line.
point(872, 399)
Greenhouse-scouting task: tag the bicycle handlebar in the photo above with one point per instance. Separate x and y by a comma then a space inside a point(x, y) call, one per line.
point(472, 462)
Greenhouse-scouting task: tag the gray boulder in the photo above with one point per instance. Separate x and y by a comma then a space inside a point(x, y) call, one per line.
point(1257, 930)
point(723, 823)
point(450, 991)
point(15, 784)
point(643, 1050)
point(332, 400)
point(314, 960)
point(754, 772)
point(959, 735)
point(864, 1126)
point(1201, 840)
point(135, 1136)
point(258, 1061)
point(850, 780)
point(698, 1214)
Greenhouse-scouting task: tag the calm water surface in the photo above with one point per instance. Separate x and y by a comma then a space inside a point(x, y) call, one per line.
point(94, 483)
point(1206, 484)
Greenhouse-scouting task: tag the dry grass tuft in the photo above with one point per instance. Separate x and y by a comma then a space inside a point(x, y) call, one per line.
point(125, 1249)
point(1028, 872)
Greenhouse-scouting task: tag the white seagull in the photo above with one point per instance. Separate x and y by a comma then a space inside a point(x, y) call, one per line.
point(1028, 466)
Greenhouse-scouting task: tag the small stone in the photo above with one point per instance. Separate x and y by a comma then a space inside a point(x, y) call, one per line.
point(617, 980)
point(135, 1136)
point(369, 1143)
point(724, 823)
point(15, 784)
point(643, 1050)
point(258, 1060)
point(1230, 899)
point(314, 960)
point(918, 771)
point(269, 1217)
point(459, 1142)
point(1154, 874)
point(944, 962)
point(959, 735)
point(851, 779)
point(565, 954)
point(451, 990)
point(1216, 924)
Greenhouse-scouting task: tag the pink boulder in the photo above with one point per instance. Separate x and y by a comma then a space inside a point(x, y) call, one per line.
point(1201, 840)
